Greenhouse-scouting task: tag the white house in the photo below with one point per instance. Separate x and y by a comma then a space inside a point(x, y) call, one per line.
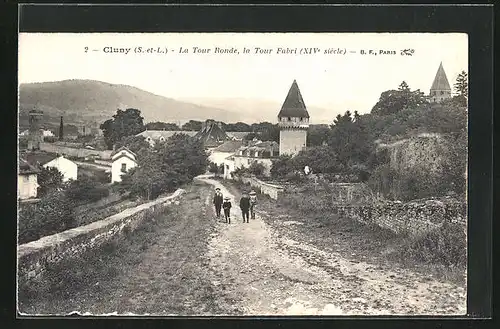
point(260, 152)
point(66, 167)
point(220, 153)
point(47, 133)
point(27, 180)
point(122, 161)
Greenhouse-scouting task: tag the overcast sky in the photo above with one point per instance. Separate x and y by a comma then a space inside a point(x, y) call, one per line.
point(353, 81)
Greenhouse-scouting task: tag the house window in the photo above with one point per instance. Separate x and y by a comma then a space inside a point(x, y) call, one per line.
point(124, 167)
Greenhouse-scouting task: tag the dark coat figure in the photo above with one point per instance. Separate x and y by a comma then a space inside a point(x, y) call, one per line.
point(227, 210)
point(245, 207)
point(218, 200)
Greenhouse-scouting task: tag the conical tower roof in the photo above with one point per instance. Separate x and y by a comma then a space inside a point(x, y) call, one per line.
point(294, 105)
point(440, 81)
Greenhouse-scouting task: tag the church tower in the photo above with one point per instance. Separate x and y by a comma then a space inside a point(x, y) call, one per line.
point(293, 121)
point(440, 89)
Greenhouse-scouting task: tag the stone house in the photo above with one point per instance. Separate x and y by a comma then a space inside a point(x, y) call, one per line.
point(259, 152)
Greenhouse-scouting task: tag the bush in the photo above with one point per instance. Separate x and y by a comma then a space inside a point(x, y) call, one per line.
point(257, 169)
point(52, 214)
point(86, 189)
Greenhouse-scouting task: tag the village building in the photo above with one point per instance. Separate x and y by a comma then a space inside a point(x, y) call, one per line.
point(27, 180)
point(212, 134)
point(293, 121)
point(256, 152)
point(221, 152)
point(66, 167)
point(160, 136)
point(238, 135)
point(122, 161)
point(440, 89)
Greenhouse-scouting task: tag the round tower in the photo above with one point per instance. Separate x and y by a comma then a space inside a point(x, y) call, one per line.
point(293, 121)
point(35, 134)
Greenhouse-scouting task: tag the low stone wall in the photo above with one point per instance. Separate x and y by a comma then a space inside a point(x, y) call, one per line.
point(33, 257)
point(271, 190)
point(74, 152)
point(412, 218)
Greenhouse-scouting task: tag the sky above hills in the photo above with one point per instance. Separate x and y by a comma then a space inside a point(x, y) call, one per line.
point(338, 82)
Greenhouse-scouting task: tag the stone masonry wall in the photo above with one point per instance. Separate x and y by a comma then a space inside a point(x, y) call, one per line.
point(273, 191)
point(412, 218)
point(33, 257)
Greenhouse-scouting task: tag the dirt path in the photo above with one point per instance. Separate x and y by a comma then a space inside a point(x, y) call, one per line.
point(271, 274)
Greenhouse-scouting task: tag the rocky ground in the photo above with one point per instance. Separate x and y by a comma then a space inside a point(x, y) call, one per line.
point(189, 263)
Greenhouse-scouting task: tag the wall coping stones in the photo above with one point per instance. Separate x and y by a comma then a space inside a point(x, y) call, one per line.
point(62, 237)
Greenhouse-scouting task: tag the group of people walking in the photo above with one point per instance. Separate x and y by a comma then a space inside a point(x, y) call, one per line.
point(248, 202)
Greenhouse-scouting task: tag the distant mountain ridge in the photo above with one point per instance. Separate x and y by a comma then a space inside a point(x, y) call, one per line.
point(92, 102)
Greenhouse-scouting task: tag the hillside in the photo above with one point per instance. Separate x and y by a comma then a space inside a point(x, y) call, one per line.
point(92, 102)
point(261, 110)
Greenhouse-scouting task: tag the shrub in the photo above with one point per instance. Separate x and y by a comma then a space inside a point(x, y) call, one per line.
point(257, 169)
point(52, 214)
point(86, 189)
point(446, 245)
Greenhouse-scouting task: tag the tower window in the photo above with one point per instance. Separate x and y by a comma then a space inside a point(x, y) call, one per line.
point(289, 119)
point(442, 92)
point(300, 119)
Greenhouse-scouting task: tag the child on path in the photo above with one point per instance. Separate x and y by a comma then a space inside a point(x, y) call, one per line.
point(253, 202)
point(245, 206)
point(227, 209)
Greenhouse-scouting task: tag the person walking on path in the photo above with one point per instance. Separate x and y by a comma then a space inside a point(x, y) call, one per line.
point(227, 209)
point(245, 206)
point(218, 200)
point(253, 203)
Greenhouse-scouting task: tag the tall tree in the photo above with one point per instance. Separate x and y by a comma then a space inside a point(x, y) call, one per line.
point(61, 130)
point(134, 143)
point(124, 123)
point(394, 101)
point(49, 179)
point(462, 85)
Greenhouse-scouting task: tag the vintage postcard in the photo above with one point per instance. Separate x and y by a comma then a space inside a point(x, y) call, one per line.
point(242, 174)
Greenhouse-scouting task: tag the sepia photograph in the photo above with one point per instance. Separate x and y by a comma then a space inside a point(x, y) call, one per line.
point(242, 174)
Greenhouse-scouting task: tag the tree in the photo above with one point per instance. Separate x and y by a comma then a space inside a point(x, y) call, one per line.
point(184, 155)
point(256, 168)
point(393, 101)
point(49, 179)
point(85, 189)
point(162, 126)
point(192, 125)
point(462, 85)
point(134, 143)
point(321, 159)
point(282, 166)
point(238, 126)
point(61, 130)
point(317, 135)
point(350, 140)
point(266, 131)
point(124, 123)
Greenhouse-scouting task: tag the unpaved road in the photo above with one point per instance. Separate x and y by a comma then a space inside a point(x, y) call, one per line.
point(273, 275)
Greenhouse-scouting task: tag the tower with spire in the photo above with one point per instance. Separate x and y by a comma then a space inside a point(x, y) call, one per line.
point(440, 89)
point(293, 121)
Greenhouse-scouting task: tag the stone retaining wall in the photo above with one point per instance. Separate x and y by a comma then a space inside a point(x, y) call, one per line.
point(412, 218)
point(271, 190)
point(33, 257)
